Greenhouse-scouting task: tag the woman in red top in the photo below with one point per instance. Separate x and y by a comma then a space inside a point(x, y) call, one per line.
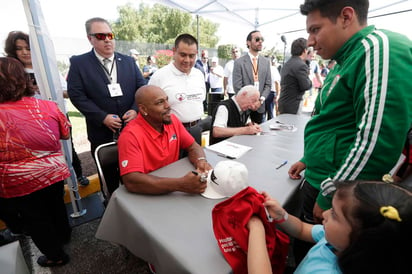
point(32, 165)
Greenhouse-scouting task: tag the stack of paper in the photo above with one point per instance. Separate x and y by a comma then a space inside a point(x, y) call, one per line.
point(229, 150)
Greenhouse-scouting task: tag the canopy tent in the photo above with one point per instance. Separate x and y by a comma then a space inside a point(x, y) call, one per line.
point(273, 18)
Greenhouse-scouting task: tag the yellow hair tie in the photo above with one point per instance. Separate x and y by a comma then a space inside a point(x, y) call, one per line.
point(387, 178)
point(391, 213)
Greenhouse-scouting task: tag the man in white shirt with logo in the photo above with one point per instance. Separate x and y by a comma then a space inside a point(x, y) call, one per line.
point(184, 85)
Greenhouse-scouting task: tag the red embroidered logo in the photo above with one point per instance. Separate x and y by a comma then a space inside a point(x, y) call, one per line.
point(180, 96)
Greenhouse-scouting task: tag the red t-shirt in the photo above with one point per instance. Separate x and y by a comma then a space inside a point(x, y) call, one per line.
point(143, 149)
point(230, 219)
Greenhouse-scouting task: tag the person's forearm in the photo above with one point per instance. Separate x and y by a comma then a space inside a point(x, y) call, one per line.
point(297, 229)
point(257, 257)
point(225, 81)
point(218, 75)
point(220, 132)
point(196, 154)
point(148, 184)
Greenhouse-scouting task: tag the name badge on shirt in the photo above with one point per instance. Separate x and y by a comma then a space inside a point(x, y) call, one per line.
point(256, 85)
point(115, 90)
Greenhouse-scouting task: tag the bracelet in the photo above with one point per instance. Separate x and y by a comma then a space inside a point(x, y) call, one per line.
point(284, 218)
point(201, 158)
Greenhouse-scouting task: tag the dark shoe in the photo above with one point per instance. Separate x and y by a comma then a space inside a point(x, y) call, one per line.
point(44, 262)
point(83, 181)
point(6, 237)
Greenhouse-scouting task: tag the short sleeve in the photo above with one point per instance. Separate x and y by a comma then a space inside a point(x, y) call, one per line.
point(130, 154)
point(221, 117)
point(318, 232)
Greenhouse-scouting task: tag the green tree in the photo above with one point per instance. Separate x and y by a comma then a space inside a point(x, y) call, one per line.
point(161, 24)
point(128, 25)
point(207, 30)
point(225, 51)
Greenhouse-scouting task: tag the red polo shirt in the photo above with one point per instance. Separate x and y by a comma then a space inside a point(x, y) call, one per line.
point(143, 149)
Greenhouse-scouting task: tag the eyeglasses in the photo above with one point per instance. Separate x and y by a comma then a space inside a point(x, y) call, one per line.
point(102, 36)
point(258, 39)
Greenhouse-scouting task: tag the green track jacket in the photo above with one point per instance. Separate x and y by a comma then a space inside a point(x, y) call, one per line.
point(363, 112)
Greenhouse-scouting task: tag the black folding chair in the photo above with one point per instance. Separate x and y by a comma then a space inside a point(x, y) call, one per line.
point(107, 161)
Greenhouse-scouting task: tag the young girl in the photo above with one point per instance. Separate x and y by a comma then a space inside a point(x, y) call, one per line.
point(367, 230)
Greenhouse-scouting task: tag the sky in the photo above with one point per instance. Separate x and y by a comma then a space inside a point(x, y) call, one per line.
point(65, 19)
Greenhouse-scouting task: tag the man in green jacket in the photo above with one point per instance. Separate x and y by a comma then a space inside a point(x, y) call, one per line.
point(364, 110)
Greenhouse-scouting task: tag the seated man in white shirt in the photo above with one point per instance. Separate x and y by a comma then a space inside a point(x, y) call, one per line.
point(231, 116)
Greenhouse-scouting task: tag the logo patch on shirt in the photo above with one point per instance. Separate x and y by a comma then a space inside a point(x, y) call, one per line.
point(181, 96)
point(174, 137)
point(124, 163)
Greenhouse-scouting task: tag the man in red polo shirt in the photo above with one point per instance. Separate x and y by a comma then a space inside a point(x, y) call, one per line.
point(153, 140)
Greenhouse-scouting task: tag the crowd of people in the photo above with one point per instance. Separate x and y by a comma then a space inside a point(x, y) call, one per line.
point(358, 130)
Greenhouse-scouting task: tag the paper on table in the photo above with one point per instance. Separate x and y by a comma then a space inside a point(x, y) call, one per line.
point(229, 150)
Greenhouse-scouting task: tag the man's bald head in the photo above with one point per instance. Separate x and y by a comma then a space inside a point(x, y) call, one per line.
point(143, 93)
point(153, 104)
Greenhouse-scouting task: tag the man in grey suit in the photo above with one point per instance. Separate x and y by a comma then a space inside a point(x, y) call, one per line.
point(252, 69)
point(294, 79)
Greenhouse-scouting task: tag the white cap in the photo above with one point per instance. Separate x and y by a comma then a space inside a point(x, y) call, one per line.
point(133, 51)
point(226, 179)
point(215, 59)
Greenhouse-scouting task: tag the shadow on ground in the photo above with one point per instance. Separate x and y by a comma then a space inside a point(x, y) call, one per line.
point(88, 255)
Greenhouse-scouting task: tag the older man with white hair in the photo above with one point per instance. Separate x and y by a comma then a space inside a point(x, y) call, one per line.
point(231, 116)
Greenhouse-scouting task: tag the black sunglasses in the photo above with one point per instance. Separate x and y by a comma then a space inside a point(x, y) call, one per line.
point(102, 36)
point(258, 39)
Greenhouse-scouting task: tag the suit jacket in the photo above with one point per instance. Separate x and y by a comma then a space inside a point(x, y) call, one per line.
point(243, 76)
point(294, 82)
point(199, 66)
point(88, 91)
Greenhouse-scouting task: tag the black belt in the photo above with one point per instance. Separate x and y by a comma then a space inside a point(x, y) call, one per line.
point(191, 124)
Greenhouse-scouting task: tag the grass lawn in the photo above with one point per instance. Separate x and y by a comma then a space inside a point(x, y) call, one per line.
point(79, 132)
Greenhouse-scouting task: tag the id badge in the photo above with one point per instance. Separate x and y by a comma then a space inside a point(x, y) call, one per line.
point(115, 90)
point(256, 85)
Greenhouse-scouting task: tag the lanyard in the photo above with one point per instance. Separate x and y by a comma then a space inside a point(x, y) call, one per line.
point(255, 68)
point(109, 74)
